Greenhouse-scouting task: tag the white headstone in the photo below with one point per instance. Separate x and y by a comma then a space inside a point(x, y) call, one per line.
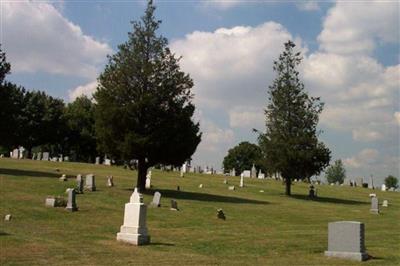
point(241, 180)
point(385, 203)
point(231, 187)
point(134, 230)
point(246, 173)
point(383, 187)
point(156, 199)
point(71, 205)
point(201, 186)
point(46, 156)
point(148, 183)
point(15, 154)
point(110, 181)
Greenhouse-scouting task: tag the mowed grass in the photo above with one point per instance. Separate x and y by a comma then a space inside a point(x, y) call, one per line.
point(261, 228)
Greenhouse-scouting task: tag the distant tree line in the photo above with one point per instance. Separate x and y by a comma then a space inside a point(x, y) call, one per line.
point(40, 122)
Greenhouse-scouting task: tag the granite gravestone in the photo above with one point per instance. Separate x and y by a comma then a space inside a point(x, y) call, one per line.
point(90, 184)
point(45, 156)
point(156, 200)
point(346, 240)
point(174, 205)
point(79, 184)
point(253, 172)
point(374, 205)
point(71, 204)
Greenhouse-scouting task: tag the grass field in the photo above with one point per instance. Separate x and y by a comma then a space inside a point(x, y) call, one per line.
point(261, 228)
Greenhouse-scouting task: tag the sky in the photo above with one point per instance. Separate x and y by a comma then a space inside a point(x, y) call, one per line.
point(350, 55)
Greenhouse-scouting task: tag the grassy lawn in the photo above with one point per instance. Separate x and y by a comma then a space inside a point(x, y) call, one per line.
point(261, 228)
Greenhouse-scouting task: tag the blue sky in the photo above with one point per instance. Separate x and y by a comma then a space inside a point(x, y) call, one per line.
point(351, 59)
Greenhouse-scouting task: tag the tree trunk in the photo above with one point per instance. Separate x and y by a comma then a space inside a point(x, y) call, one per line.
point(288, 183)
point(142, 172)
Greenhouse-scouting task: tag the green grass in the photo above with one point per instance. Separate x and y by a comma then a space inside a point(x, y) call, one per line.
point(261, 228)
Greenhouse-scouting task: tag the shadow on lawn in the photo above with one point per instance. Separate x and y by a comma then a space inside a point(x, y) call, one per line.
point(329, 200)
point(17, 172)
point(202, 196)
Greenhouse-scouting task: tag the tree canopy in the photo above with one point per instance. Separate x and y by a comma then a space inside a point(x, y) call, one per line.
point(290, 143)
point(242, 157)
point(144, 109)
point(391, 182)
point(336, 172)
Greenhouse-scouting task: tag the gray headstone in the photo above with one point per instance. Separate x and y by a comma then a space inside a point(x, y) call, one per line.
point(346, 240)
point(45, 156)
point(97, 160)
point(374, 205)
point(90, 183)
point(231, 187)
point(225, 181)
point(174, 205)
point(39, 156)
point(7, 217)
point(156, 199)
point(79, 184)
point(71, 204)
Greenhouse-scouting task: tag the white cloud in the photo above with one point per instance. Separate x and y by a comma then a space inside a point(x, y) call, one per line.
point(247, 117)
point(37, 38)
point(356, 27)
point(221, 4)
point(362, 159)
point(87, 89)
point(307, 5)
point(232, 67)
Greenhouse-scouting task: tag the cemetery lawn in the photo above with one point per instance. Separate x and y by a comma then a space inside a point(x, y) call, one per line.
point(261, 228)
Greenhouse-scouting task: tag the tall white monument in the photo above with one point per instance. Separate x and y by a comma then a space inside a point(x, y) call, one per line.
point(134, 230)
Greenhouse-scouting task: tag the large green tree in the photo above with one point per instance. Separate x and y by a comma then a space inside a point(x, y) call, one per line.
point(336, 172)
point(11, 104)
point(81, 139)
point(290, 143)
point(242, 157)
point(42, 121)
point(144, 109)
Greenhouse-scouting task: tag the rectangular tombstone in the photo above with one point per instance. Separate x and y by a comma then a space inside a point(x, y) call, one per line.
point(346, 240)
point(39, 156)
point(374, 205)
point(174, 205)
point(45, 156)
point(97, 160)
point(246, 173)
point(50, 202)
point(15, 154)
point(90, 183)
point(71, 204)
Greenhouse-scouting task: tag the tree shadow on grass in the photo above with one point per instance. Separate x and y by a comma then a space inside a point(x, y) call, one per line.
point(18, 172)
point(185, 195)
point(161, 244)
point(329, 200)
point(4, 233)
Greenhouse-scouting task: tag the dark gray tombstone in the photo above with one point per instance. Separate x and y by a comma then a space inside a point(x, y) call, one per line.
point(311, 192)
point(174, 205)
point(79, 184)
point(156, 200)
point(90, 184)
point(374, 205)
point(220, 214)
point(346, 240)
point(71, 204)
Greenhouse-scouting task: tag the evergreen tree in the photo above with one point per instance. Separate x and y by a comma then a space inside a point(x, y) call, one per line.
point(290, 143)
point(144, 109)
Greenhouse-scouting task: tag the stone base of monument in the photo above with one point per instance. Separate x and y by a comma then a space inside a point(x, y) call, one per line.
point(131, 236)
point(347, 255)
